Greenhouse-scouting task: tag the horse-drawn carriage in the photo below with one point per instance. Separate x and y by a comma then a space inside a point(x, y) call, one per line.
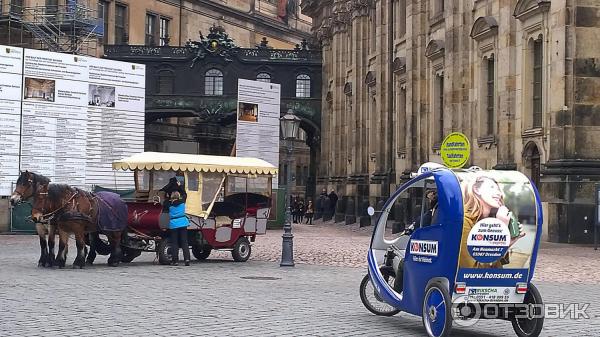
point(228, 203)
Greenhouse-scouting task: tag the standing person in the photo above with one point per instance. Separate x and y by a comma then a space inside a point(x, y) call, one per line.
point(301, 210)
point(294, 207)
point(333, 198)
point(310, 211)
point(178, 227)
point(321, 204)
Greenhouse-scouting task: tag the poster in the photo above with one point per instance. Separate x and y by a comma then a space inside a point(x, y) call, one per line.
point(68, 117)
point(258, 121)
point(499, 234)
point(11, 72)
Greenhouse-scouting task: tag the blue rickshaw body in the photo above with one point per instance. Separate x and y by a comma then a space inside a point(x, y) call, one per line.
point(446, 230)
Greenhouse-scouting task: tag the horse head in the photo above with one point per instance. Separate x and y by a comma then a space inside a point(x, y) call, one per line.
point(27, 186)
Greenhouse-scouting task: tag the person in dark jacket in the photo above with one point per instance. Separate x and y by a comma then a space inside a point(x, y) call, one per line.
point(333, 199)
point(178, 226)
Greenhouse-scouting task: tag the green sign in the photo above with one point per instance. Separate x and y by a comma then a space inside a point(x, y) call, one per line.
point(455, 150)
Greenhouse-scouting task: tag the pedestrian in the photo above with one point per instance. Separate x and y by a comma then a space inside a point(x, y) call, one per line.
point(294, 207)
point(178, 228)
point(310, 211)
point(333, 199)
point(301, 210)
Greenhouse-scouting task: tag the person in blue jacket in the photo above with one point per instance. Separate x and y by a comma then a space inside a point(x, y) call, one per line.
point(178, 226)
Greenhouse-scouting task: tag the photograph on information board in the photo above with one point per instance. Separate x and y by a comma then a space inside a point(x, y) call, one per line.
point(248, 112)
point(38, 89)
point(101, 95)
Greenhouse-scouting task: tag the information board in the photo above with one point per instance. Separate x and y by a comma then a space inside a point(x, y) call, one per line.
point(258, 121)
point(68, 117)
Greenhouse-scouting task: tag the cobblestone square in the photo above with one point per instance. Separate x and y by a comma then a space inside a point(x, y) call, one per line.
point(318, 297)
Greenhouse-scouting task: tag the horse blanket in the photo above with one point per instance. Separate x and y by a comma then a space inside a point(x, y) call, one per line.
point(112, 211)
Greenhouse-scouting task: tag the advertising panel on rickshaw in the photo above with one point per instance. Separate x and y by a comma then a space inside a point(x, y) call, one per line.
point(498, 235)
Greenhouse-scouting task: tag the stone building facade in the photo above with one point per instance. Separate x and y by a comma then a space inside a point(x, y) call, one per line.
point(520, 78)
point(86, 26)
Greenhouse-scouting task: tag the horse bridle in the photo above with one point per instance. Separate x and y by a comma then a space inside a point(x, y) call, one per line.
point(50, 215)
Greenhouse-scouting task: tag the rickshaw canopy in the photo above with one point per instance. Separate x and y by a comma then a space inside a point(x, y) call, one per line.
point(199, 163)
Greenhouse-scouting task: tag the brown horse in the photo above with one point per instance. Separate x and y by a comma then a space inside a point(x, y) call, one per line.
point(28, 186)
point(79, 212)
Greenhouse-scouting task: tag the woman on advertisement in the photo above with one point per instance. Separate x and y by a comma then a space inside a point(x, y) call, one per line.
point(489, 227)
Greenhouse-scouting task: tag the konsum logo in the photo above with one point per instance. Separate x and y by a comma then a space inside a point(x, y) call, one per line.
point(425, 248)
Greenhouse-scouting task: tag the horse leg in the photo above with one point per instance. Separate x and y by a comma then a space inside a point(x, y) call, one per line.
point(41, 231)
point(63, 247)
point(91, 256)
point(115, 244)
point(80, 242)
point(51, 241)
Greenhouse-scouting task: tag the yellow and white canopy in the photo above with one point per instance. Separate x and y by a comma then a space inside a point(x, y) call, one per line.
point(190, 162)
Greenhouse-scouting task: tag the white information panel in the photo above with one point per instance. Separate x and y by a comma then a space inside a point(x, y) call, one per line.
point(69, 117)
point(258, 121)
point(11, 73)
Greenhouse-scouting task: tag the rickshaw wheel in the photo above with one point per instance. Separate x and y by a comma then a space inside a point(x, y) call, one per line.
point(201, 252)
point(241, 250)
point(164, 252)
point(379, 308)
point(530, 327)
point(437, 315)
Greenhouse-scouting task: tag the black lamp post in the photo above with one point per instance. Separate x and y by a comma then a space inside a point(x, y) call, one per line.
point(290, 124)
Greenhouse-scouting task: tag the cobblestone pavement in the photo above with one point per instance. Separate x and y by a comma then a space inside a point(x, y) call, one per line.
point(223, 298)
point(346, 245)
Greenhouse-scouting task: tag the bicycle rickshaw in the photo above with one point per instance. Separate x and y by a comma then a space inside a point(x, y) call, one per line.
point(472, 259)
point(228, 202)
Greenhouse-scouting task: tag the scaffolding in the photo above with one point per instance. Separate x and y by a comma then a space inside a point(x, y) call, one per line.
point(73, 28)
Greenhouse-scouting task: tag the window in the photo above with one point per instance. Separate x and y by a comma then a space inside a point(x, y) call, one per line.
point(537, 82)
point(439, 107)
point(16, 7)
point(213, 83)
point(51, 7)
point(150, 29)
point(490, 96)
point(402, 5)
point(165, 82)
point(303, 86)
point(164, 31)
point(103, 8)
point(263, 77)
point(121, 24)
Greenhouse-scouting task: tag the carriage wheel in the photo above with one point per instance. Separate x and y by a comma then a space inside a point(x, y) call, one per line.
point(437, 315)
point(129, 254)
point(164, 251)
point(371, 299)
point(530, 326)
point(201, 252)
point(241, 250)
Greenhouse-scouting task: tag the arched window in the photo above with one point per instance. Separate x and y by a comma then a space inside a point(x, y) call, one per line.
point(263, 77)
point(213, 83)
point(302, 85)
point(165, 82)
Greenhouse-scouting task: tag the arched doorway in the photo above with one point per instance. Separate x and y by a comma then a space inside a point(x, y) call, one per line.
point(531, 159)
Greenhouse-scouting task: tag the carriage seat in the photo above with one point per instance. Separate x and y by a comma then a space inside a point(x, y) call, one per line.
point(222, 220)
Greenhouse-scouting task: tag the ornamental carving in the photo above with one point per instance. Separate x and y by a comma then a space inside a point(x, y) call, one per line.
point(217, 43)
point(527, 8)
point(399, 65)
point(362, 7)
point(484, 27)
point(435, 49)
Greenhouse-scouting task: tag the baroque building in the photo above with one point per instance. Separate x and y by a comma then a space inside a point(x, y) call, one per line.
point(85, 26)
point(519, 78)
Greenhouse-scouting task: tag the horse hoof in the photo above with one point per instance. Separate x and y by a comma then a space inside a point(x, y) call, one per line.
point(89, 263)
point(113, 264)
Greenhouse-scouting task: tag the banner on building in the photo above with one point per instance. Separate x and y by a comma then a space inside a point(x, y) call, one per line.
point(258, 121)
point(68, 117)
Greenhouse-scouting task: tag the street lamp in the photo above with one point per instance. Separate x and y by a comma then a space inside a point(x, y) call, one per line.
point(290, 124)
